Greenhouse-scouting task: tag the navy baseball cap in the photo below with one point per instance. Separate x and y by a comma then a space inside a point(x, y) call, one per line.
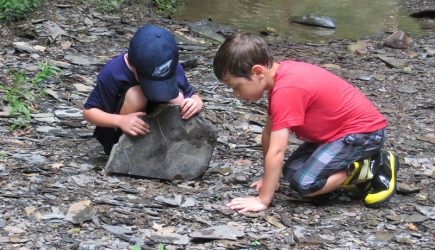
point(154, 54)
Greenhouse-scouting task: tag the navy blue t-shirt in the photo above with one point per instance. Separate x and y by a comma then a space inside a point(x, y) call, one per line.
point(108, 95)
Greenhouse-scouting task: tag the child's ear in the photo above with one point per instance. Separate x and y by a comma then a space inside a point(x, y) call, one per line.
point(257, 70)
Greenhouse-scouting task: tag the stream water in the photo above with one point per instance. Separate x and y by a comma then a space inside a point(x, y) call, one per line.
point(354, 18)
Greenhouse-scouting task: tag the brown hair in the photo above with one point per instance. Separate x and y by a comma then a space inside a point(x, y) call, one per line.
point(239, 53)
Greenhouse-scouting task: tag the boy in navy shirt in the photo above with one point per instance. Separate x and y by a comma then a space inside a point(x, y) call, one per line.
point(134, 82)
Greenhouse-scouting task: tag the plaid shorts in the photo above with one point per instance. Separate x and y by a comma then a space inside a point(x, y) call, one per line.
point(309, 167)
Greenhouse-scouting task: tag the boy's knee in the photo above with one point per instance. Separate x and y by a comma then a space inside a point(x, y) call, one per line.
point(134, 100)
point(304, 187)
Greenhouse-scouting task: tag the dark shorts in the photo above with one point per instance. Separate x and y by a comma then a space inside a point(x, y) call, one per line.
point(109, 136)
point(309, 167)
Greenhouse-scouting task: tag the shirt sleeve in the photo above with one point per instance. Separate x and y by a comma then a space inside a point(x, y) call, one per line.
point(183, 83)
point(104, 96)
point(287, 107)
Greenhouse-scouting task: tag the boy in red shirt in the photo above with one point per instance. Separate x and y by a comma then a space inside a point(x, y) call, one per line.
point(342, 129)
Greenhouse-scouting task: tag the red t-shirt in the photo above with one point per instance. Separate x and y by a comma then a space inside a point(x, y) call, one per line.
point(319, 106)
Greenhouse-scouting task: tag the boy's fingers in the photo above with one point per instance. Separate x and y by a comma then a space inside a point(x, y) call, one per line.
point(142, 128)
point(142, 123)
point(245, 210)
point(136, 130)
point(191, 111)
point(139, 130)
point(131, 132)
point(188, 114)
point(187, 106)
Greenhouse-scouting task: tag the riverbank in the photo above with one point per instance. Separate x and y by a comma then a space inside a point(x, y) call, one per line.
point(55, 162)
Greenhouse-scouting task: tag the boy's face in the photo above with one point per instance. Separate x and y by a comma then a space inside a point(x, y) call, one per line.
point(246, 89)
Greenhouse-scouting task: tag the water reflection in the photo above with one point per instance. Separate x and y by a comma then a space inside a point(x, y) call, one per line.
point(354, 18)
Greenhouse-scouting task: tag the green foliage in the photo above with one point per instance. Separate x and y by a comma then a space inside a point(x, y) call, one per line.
point(136, 247)
point(256, 243)
point(20, 94)
point(105, 5)
point(161, 246)
point(167, 5)
point(46, 71)
point(217, 196)
point(11, 10)
point(75, 230)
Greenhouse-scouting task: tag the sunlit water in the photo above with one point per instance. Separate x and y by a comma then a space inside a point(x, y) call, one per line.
point(354, 18)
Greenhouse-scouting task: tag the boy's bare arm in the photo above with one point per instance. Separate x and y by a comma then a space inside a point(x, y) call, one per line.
point(129, 123)
point(272, 170)
point(273, 164)
point(265, 140)
point(265, 136)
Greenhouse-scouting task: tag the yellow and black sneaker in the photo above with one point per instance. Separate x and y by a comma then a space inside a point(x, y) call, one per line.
point(360, 175)
point(384, 181)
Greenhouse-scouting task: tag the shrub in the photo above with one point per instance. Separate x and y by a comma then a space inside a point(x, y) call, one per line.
point(21, 92)
point(105, 5)
point(11, 10)
point(167, 5)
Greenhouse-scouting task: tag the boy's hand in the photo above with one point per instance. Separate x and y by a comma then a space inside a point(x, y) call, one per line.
point(189, 107)
point(247, 204)
point(258, 184)
point(131, 124)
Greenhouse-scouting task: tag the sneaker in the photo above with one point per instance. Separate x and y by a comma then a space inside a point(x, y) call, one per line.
point(384, 182)
point(359, 178)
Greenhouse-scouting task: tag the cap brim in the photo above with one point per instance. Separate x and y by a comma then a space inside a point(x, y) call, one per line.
point(159, 91)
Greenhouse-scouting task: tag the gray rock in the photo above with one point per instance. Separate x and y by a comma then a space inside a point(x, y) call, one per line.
point(51, 30)
point(429, 224)
point(384, 236)
point(53, 216)
point(404, 188)
point(80, 212)
point(23, 46)
point(189, 202)
point(313, 20)
point(424, 13)
point(117, 230)
point(426, 210)
point(48, 129)
point(174, 148)
point(170, 238)
point(176, 201)
point(70, 113)
point(393, 62)
point(407, 89)
point(404, 239)
point(397, 40)
point(44, 117)
point(223, 232)
point(211, 30)
point(82, 180)
point(415, 218)
point(83, 60)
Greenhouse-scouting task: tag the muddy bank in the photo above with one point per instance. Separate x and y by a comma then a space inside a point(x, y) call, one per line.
point(48, 167)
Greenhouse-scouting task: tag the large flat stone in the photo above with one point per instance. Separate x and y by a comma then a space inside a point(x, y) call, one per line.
point(174, 148)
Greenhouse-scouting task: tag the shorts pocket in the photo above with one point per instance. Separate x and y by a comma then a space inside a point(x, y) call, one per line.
point(375, 138)
point(356, 139)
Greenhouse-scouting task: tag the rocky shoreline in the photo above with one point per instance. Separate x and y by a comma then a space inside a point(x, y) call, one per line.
point(55, 194)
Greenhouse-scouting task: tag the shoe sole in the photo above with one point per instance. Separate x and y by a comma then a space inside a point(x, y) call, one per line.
point(378, 199)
